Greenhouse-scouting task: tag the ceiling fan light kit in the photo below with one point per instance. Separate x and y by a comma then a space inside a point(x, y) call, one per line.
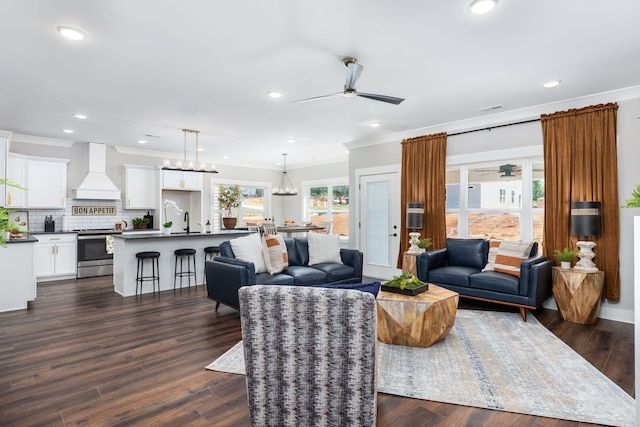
point(353, 74)
point(184, 165)
point(286, 187)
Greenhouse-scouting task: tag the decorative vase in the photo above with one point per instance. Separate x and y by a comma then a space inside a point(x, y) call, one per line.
point(166, 230)
point(229, 222)
point(565, 264)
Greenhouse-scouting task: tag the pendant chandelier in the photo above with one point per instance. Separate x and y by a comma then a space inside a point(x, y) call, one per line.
point(189, 165)
point(286, 188)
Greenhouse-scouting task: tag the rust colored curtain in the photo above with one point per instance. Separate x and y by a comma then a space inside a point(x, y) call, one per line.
point(423, 181)
point(580, 164)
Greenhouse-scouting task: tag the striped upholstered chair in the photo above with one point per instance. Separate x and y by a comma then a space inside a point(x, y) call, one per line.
point(310, 355)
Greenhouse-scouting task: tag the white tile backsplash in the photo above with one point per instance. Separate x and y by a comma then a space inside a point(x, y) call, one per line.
point(77, 222)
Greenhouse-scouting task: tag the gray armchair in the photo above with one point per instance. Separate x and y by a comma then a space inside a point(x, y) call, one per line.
point(310, 355)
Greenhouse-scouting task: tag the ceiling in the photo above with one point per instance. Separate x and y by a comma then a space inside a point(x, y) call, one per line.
point(155, 67)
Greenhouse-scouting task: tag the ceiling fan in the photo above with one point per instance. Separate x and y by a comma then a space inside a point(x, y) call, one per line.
point(505, 171)
point(353, 73)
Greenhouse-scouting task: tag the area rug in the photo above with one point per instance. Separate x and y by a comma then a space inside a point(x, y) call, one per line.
point(496, 361)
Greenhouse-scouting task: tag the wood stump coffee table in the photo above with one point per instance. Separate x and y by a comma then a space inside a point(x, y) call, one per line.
point(416, 321)
point(578, 294)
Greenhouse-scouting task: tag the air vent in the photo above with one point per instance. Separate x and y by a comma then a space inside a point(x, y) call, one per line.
point(493, 107)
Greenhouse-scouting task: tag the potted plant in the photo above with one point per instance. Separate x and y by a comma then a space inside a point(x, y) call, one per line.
point(424, 244)
point(634, 200)
point(565, 256)
point(166, 227)
point(229, 198)
point(5, 225)
point(140, 223)
point(406, 284)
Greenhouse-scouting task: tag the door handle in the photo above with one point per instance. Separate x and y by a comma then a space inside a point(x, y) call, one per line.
point(394, 234)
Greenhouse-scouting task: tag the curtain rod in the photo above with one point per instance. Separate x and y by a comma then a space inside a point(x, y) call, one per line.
point(493, 127)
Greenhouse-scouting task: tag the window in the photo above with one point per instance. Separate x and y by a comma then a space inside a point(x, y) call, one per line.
point(328, 201)
point(253, 205)
point(503, 200)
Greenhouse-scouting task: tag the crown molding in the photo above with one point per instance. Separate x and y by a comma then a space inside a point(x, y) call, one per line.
point(31, 139)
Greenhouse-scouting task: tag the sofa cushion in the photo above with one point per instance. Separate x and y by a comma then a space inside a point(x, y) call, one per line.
point(510, 255)
point(249, 248)
point(494, 281)
point(336, 272)
point(323, 248)
point(274, 279)
point(467, 252)
point(275, 254)
point(372, 288)
point(292, 251)
point(305, 276)
point(453, 275)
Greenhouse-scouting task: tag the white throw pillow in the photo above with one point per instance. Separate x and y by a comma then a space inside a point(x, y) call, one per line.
point(275, 253)
point(249, 248)
point(323, 248)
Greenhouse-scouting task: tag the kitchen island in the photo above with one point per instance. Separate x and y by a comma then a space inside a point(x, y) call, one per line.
point(125, 263)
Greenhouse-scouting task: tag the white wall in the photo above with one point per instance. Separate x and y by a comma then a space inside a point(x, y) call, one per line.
point(478, 144)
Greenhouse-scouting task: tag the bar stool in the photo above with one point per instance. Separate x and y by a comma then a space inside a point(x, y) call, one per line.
point(189, 254)
point(209, 253)
point(140, 277)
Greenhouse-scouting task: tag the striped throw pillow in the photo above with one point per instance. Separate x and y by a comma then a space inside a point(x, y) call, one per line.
point(494, 244)
point(275, 254)
point(510, 255)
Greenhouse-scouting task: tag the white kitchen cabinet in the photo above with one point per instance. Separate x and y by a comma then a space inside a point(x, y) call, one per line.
point(46, 183)
point(141, 187)
point(182, 180)
point(5, 138)
point(55, 256)
point(17, 173)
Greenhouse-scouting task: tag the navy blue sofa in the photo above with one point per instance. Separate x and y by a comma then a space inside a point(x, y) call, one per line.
point(459, 266)
point(225, 274)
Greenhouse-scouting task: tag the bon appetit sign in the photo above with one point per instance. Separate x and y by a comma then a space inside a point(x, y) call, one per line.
point(93, 210)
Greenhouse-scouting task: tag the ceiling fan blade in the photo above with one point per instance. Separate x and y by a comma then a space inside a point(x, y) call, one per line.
point(317, 98)
point(353, 74)
point(383, 98)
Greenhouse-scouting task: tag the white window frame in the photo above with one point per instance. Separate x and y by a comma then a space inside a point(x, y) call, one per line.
point(216, 212)
point(526, 156)
point(329, 183)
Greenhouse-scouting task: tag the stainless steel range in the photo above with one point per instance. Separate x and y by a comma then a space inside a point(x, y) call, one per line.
point(93, 259)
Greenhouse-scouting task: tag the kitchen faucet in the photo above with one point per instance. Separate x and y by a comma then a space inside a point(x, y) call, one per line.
point(186, 218)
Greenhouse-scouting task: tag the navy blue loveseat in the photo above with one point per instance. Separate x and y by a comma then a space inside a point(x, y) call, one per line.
point(225, 274)
point(458, 267)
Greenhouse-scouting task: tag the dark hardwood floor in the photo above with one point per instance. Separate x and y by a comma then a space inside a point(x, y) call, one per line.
point(83, 355)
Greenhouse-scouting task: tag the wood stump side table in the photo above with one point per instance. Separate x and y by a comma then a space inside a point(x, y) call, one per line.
point(416, 321)
point(409, 263)
point(578, 294)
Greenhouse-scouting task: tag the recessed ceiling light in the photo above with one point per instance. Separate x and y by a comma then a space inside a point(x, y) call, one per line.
point(67, 130)
point(480, 7)
point(375, 124)
point(291, 141)
point(80, 116)
point(142, 141)
point(200, 149)
point(551, 84)
point(274, 94)
point(71, 33)
point(225, 157)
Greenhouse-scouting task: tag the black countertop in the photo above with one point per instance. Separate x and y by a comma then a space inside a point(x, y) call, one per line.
point(180, 235)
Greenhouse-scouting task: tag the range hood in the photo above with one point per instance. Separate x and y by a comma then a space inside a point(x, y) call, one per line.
point(96, 185)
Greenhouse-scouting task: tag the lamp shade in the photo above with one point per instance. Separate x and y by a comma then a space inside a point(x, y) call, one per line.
point(415, 215)
point(586, 218)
